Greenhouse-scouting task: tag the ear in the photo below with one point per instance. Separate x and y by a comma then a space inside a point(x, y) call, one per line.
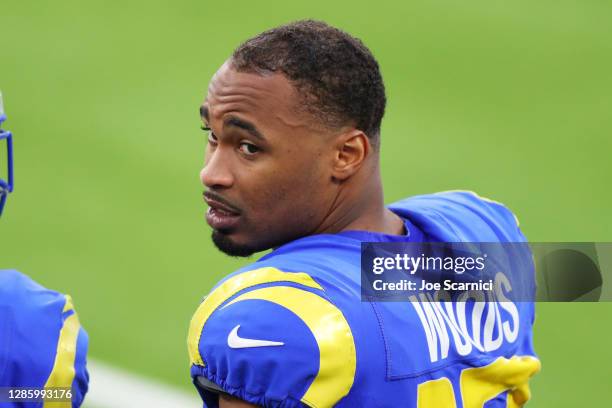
point(351, 150)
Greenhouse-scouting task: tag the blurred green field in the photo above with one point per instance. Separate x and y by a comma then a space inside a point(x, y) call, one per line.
point(510, 99)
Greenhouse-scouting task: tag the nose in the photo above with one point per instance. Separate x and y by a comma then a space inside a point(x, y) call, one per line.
point(216, 172)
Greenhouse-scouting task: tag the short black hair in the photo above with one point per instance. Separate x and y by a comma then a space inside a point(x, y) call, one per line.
point(336, 74)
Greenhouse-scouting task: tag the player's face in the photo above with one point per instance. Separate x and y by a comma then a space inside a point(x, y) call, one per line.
point(267, 165)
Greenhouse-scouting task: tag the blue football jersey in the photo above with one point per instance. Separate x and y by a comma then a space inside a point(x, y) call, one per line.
point(42, 343)
point(291, 330)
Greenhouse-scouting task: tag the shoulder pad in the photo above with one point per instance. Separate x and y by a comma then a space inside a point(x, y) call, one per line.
point(273, 338)
point(460, 216)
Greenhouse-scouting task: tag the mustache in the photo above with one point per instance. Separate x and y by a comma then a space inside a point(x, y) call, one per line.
point(211, 195)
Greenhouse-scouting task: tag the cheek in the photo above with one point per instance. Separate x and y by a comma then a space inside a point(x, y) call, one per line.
point(267, 198)
point(286, 190)
point(292, 197)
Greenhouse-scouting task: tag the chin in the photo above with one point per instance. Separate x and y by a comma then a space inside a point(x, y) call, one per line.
point(230, 247)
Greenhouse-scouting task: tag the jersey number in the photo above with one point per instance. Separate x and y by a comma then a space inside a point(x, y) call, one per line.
point(481, 384)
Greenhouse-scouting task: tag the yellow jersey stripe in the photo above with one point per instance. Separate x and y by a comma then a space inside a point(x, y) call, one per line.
point(63, 371)
point(229, 288)
point(337, 355)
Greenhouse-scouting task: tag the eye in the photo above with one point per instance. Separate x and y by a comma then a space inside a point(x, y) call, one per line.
point(212, 139)
point(249, 149)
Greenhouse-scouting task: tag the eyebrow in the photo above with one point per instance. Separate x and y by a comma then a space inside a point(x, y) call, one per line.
point(244, 125)
point(236, 122)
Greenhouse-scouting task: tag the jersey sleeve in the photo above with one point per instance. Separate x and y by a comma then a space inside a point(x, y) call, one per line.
point(273, 339)
point(44, 344)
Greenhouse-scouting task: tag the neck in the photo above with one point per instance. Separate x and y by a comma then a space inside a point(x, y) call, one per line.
point(356, 207)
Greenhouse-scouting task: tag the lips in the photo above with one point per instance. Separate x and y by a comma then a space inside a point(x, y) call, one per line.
point(220, 216)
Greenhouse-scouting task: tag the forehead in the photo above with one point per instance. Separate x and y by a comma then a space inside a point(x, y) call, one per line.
point(264, 97)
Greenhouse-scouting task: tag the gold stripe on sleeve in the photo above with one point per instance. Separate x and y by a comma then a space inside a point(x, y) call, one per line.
point(229, 288)
point(63, 371)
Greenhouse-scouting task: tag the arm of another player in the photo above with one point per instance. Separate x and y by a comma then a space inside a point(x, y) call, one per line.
point(70, 365)
point(43, 337)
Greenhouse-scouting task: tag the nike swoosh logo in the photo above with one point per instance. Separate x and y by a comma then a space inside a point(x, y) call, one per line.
point(236, 342)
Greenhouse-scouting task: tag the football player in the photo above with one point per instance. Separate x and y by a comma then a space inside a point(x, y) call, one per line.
point(292, 164)
point(42, 344)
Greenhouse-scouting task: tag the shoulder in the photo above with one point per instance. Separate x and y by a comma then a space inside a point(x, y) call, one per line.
point(20, 293)
point(273, 338)
point(43, 342)
point(461, 216)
